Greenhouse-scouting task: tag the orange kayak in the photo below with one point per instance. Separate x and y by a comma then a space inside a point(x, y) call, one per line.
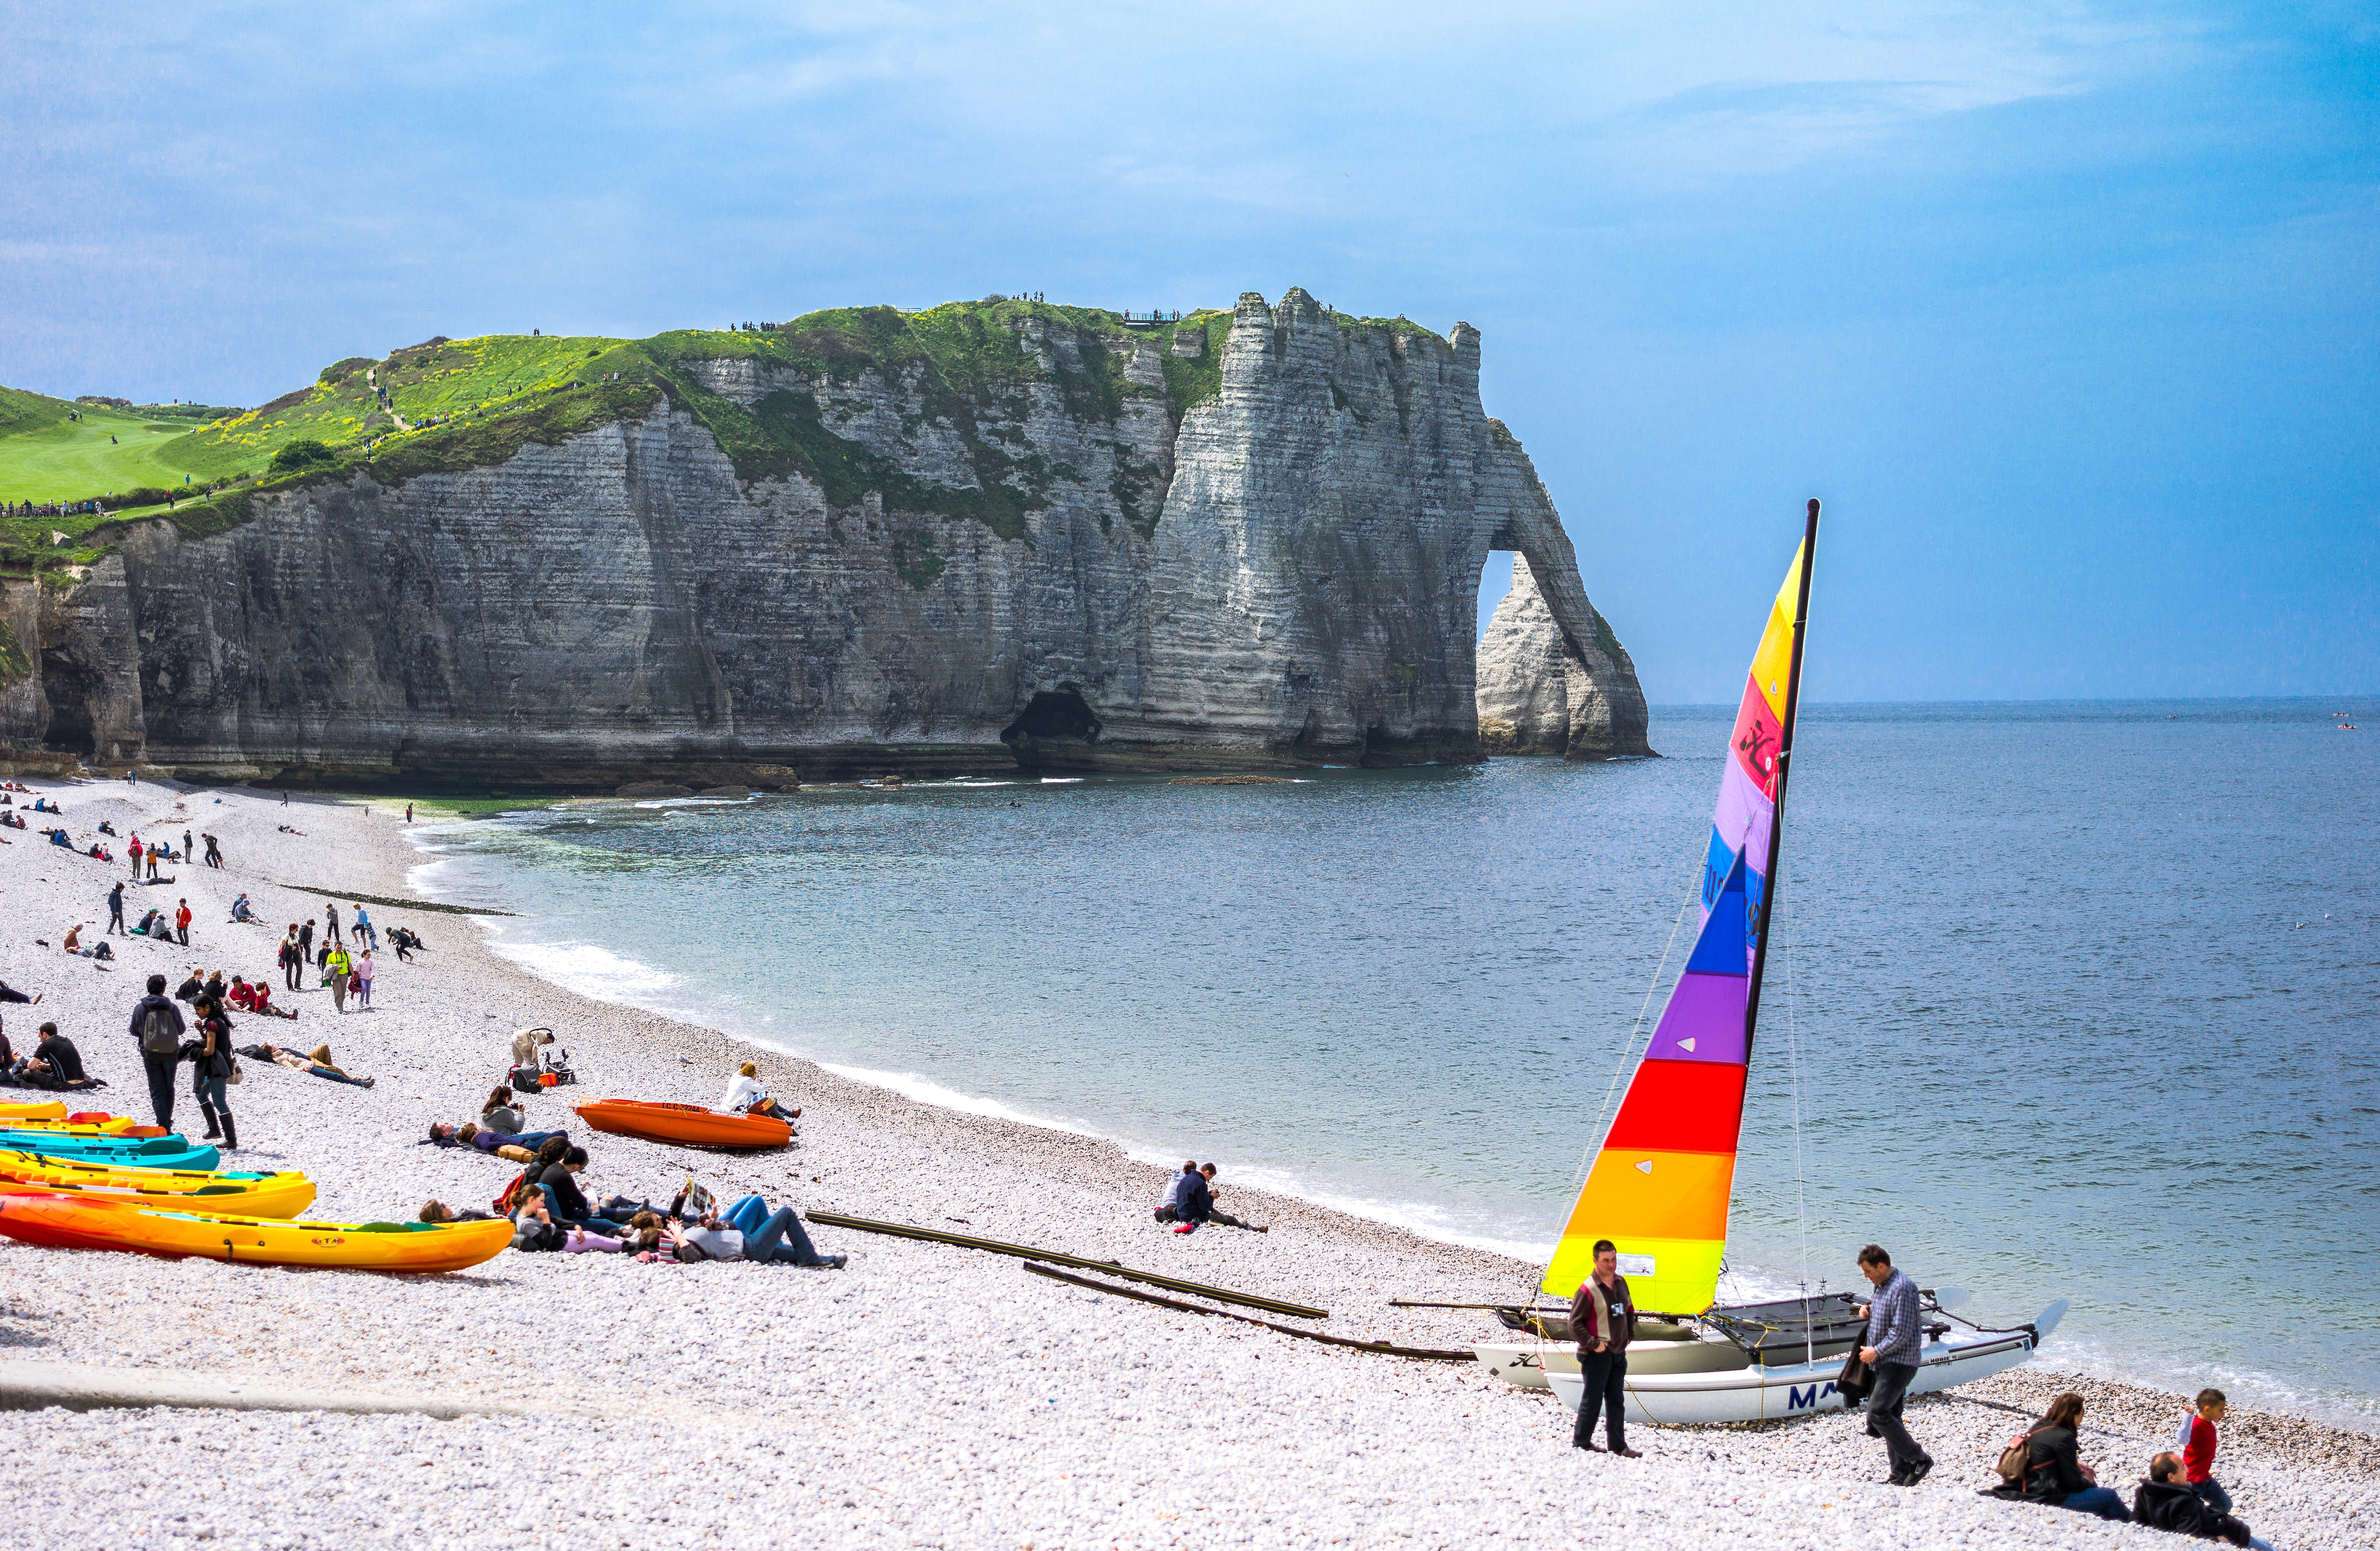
point(689, 1124)
point(171, 1233)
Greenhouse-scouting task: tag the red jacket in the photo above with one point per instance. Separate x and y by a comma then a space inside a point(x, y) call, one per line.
point(2198, 1459)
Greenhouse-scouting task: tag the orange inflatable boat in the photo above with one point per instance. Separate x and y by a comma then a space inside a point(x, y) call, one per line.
point(690, 1123)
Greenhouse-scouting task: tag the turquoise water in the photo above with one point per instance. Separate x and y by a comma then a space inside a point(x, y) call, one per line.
point(2074, 1000)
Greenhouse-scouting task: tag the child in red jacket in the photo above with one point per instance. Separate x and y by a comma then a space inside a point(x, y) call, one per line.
point(2197, 1442)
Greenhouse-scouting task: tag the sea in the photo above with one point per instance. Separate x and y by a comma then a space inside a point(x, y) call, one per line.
point(2068, 1001)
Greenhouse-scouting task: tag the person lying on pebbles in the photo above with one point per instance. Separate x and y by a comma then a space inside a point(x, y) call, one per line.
point(747, 1231)
point(318, 1063)
point(519, 1146)
point(438, 1211)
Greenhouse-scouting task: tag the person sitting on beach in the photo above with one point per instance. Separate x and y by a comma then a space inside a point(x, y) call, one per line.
point(2164, 1501)
point(241, 910)
point(498, 1114)
point(58, 837)
point(1206, 1172)
point(106, 827)
point(73, 943)
point(316, 1063)
point(560, 1178)
point(260, 999)
point(54, 1064)
point(746, 1096)
point(2053, 1475)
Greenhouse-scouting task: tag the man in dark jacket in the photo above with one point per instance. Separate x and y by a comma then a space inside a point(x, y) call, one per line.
point(1894, 1341)
point(159, 1052)
point(1603, 1321)
point(2165, 1501)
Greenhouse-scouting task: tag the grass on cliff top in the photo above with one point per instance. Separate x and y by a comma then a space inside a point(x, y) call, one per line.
point(474, 403)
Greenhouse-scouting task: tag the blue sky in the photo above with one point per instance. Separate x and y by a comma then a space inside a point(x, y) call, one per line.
point(2067, 311)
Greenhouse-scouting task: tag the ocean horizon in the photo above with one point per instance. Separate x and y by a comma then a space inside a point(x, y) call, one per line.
point(2069, 999)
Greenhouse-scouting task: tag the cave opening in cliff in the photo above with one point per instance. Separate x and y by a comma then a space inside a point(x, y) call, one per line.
point(1057, 728)
point(71, 690)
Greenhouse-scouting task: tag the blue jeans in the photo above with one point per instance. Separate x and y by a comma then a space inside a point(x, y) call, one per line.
point(2101, 1500)
point(770, 1236)
point(2212, 1495)
point(212, 1094)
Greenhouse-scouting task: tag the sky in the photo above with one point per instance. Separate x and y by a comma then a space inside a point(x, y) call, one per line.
point(2067, 312)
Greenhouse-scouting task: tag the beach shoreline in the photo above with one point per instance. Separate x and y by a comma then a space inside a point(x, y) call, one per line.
point(973, 1386)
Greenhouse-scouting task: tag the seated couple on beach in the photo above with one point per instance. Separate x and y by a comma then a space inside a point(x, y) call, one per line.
point(255, 996)
point(316, 1062)
point(54, 1065)
point(1190, 1200)
point(746, 1096)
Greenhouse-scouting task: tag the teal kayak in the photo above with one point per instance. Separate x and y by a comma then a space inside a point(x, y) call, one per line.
point(141, 1152)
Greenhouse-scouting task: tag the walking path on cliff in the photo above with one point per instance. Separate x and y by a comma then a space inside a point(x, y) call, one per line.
point(927, 1395)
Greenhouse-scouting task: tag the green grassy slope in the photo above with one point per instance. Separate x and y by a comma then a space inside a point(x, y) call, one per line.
point(45, 456)
point(472, 403)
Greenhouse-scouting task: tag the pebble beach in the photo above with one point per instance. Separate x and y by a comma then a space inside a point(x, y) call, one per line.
point(925, 1395)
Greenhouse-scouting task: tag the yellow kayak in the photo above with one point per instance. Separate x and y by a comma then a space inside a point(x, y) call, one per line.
point(282, 1194)
point(71, 1223)
point(109, 1125)
point(54, 1110)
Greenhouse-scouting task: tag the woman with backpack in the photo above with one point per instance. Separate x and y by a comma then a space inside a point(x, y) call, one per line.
point(2041, 1467)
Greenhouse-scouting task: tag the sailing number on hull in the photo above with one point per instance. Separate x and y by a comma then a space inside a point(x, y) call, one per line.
point(1806, 1397)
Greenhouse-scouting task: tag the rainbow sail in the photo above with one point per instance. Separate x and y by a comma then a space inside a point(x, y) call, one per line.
point(1660, 1186)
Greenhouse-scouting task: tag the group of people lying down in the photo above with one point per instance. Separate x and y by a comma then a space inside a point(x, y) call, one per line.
point(550, 1212)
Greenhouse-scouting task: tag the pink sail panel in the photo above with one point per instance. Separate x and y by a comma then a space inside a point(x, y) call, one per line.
point(1747, 793)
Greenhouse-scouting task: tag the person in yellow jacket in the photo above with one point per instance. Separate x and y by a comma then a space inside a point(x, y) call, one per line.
point(336, 967)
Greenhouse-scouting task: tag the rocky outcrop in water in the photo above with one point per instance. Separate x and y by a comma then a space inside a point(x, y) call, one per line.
point(1254, 539)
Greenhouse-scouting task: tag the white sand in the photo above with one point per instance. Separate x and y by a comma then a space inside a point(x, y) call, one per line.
point(927, 1395)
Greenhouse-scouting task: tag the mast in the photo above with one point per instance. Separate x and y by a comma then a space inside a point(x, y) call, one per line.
point(1784, 768)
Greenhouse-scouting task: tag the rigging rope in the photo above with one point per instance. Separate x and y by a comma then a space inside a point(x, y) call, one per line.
point(1801, 1200)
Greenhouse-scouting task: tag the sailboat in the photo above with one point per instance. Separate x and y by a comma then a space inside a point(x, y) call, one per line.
point(1661, 1184)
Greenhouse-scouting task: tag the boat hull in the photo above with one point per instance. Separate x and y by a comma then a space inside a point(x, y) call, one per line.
point(66, 1222)
point(150, 1152)
point(1768, 1394)
point(689, 1123)
point(279, 1195)
point(1527, 1366)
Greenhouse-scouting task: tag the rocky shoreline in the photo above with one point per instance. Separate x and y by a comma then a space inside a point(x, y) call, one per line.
point(926, 1395)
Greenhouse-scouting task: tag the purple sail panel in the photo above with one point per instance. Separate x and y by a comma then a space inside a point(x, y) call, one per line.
point(1702, 1022)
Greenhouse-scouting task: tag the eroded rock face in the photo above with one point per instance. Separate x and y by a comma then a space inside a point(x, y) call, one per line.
point(1524, 673)
point(1284, 572)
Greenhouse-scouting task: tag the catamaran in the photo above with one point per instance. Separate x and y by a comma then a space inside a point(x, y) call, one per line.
point(1660, 1186)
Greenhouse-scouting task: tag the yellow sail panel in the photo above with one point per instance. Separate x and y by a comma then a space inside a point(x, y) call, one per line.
point(1775, 658)
point(1683, 1280)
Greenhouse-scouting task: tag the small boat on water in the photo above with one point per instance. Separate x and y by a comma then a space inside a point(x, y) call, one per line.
point(175, 1233)
point(1661, 1185)
point(689, 1124)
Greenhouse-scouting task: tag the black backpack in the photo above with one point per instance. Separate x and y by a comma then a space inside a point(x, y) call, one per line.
point(159, 1033)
